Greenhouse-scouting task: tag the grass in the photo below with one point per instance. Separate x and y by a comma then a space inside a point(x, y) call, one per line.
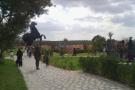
point(69, 63)
point(10, 77)
point(80, 54)
point(70, 55)
point(111, 67)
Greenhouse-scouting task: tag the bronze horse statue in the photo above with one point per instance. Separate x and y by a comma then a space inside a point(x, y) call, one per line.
point(33, 35)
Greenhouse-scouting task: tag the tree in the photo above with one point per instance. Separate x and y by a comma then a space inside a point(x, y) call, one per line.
point(15, 16)
point(98, 43)
point(110, 34)
point(65, 40)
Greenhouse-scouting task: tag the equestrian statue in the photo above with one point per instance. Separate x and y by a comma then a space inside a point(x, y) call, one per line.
point(29, 38)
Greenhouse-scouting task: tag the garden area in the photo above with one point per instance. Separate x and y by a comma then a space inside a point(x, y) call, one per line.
point(112, 66)
point(68, 61)
point(10, 76)
point(95, 56)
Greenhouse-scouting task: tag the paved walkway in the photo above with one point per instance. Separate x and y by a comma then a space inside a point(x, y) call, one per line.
point(51, 78)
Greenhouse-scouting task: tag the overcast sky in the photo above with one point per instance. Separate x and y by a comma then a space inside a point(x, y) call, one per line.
point(83, 19)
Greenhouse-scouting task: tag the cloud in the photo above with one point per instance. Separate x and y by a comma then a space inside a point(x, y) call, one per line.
point(83, 19)
point(50, 27)
point(101, 6)
point(55, 31)
point(90, 18)
point(126, 20)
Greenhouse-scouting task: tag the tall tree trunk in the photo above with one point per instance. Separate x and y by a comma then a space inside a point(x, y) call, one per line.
point(1, 55)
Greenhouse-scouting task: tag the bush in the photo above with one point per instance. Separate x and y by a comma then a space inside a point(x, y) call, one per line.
point(111, 67)
point(90, 64)
point(124, 72)
point(108, 66)
point(133, 74)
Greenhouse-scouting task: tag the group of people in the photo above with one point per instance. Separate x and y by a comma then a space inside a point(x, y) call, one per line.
point(37, 56)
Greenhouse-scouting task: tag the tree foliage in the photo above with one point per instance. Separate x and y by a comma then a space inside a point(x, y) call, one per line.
point(98, 43)
point(15, 16)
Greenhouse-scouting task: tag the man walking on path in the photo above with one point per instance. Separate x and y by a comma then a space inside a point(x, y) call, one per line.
point(37, 56)
point(19, 57)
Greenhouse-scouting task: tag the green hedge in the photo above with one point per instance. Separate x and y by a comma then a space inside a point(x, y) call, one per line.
point(110, 67)
point(90, 64)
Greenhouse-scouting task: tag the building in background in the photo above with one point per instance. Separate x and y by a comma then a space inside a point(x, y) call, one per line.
point(67, 45)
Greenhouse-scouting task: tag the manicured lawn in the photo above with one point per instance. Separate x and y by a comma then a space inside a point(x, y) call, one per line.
point(10, 77)
point(66, 62)
point(79, 54)
point(111, 67)
point(70, 55)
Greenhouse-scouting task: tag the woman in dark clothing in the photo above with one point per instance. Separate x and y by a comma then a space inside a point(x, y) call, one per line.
point(37, 56)
point(19, 57)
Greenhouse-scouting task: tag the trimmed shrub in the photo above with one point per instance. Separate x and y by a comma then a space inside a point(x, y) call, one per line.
point(90, 64)
point(133, 75)
point(109, 66)
point(124, 72)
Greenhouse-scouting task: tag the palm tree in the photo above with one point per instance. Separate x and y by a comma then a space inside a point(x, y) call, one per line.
point(110, 34)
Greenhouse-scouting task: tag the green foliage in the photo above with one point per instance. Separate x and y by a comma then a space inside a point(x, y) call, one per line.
point(111, 67)
point(90, 64)
point(124, 72)
point(81, 51)
point(70, 63)
point(15, 17)
point(98, 43)
point(5, 53)
point(70, 55)
point(108, 66)
point(133, 74)
point(10, 77)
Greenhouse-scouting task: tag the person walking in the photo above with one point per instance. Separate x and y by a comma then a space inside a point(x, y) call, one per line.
point(29, 52)
point(19, 57)
point(37, 56)
point(46, 57)
point(130, 50)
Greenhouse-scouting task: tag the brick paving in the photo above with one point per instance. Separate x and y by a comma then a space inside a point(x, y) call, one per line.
point(51, 78)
